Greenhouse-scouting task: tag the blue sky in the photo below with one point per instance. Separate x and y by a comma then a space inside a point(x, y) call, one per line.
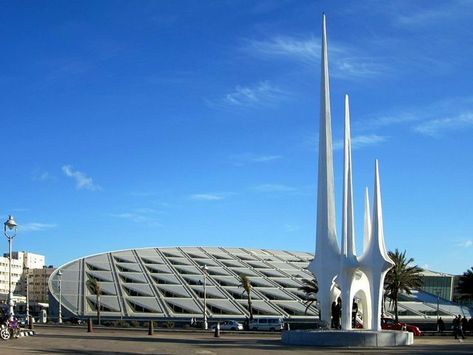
point(179, 123)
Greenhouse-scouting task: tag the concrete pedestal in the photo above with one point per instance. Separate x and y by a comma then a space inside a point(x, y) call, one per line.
point(345, 338)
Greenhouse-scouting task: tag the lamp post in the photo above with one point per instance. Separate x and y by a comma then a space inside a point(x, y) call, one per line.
point(27, 297)
point(59, 274)
point(204, 270)
point(9, 229)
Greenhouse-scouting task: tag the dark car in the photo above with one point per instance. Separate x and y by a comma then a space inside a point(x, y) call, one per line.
point(391, 324)
point(74, 320)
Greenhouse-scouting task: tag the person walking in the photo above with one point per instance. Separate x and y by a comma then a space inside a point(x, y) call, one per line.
point(457, 327)
point(464, 325)
point(440, 325)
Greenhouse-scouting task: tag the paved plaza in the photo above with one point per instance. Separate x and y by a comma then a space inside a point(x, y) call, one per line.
point(59, 340)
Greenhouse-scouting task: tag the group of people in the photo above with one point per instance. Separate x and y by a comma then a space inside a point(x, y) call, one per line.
point(460, 326)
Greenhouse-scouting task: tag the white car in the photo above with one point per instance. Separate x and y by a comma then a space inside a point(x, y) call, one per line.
point(229, 325)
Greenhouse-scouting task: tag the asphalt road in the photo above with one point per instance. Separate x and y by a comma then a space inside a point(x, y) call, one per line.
point(76, 340)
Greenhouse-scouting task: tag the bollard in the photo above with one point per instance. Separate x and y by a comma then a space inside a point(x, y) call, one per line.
point(217, 330)
point(150, 328)
point(30, 322)
point(89, 325)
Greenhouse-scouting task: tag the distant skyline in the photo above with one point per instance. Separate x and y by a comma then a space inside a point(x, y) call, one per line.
point(195, 123)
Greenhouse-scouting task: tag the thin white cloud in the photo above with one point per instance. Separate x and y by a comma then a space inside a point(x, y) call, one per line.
point(274, 188)
point(262, 94)
point(42, 176)
point(306, 50)
point(35, 227)
point(438, 126)
point(432, 120)
point(344, 62)
point(81, 179)
point(361, 141)
point(289, 228)
point(208, 197)
point(431, 15)
point(140, 216)
point(466, 243)
point(399, 118)
point(251, 158)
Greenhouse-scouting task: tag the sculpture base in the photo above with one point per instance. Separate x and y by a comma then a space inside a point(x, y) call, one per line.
point(348, 338)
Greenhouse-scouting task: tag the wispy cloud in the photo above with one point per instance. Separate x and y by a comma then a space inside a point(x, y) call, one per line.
point(36, 227)
point(263, 94)
point(466, 243)
point(42, 176)
point(395, 118)
point(430, 14)
point(208, 196)
point(274, 188)
point(306, 50)
point(251, 158)
point(438, 126)
point(81, 179)
point(290, 228)
point(146, 216)
point(432, 120)
point(361, 141)
point(344, 61)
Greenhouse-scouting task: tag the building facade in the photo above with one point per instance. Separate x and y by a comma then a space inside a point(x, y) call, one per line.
point(175, 283)
point(22, 265)
point(169, 283)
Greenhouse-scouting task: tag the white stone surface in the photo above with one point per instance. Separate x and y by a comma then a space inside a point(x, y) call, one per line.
point(326, 264)
point(342, 338)
point(340, 271)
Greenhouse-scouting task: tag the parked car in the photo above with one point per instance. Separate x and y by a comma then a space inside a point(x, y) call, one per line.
point(271, 324)
point(74, 320)
point(389, 323)
point(229, 325)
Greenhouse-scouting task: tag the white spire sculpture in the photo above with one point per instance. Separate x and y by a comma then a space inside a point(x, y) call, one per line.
point(326, 264)
point(340, 268)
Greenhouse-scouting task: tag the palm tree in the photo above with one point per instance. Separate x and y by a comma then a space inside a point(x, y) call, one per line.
point(247, 287)
point(465, 284)
point(310, 288)
point(402, 277)
point(94, 287)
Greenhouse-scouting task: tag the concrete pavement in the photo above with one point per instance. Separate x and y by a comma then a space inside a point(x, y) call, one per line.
point(76, 340)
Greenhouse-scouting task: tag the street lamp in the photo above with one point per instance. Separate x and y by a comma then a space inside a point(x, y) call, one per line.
point(59, 274)
point(9, 229)
point(27, 297)
point(204, 270)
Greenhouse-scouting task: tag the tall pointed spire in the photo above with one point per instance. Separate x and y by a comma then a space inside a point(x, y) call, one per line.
point(326, 226)
point(326, 263)
point(348, 234)
point(377, 228)
point(376, 262)
point(367, 223)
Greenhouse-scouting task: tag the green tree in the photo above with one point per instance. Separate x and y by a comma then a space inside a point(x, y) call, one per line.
point(247, 287)
point(310, 288)
point(403, 277)
point(465, 284)
point(94, 287)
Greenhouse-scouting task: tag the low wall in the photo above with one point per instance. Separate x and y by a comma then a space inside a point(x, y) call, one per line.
point(343, 338)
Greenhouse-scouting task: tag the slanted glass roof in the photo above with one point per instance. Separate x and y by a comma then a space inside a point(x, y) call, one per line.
point(169, 283)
